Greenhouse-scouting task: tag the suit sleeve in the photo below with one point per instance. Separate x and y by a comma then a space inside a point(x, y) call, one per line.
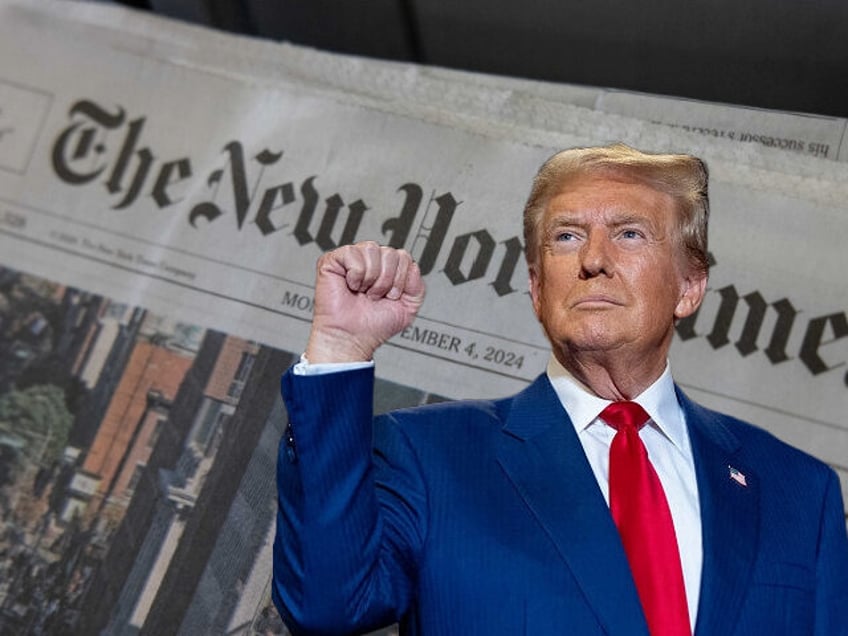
point(832, 566)
point(351, 508)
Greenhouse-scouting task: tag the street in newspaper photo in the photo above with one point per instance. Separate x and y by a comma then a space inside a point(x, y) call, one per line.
point(135, 455)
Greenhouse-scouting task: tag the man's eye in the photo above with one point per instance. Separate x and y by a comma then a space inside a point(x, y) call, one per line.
point(630, 234)
point(565, 236)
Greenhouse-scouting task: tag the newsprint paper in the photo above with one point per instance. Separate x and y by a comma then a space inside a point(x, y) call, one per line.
point(165, 191)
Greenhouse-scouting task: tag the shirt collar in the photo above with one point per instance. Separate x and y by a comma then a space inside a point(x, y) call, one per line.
point(659, 400)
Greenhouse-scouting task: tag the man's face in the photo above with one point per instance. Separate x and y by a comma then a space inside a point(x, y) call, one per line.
point(610, 276)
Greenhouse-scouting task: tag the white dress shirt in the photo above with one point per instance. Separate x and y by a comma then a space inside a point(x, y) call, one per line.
point(667, 441)
point(305, 367)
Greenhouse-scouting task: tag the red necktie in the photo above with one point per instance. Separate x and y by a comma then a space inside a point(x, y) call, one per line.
point(640, 511)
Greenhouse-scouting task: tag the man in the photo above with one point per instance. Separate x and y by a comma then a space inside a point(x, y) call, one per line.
point(532, 514)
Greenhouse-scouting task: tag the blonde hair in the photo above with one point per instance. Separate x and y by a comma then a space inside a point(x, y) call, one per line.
point(683, 177)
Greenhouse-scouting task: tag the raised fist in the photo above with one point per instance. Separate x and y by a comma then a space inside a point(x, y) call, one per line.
point(364, 295)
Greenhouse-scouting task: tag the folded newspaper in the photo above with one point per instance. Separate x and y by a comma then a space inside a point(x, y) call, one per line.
point(165, 191)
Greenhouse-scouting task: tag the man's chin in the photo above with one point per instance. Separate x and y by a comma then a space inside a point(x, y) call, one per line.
point(592, 341)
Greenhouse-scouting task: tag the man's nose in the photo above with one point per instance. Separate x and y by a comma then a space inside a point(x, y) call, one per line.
point(596, 256)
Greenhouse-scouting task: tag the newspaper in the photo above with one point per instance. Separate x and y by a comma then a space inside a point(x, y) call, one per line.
point(165, 191)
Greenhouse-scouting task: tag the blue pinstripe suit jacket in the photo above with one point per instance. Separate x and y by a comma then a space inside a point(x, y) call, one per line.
point(484, 517)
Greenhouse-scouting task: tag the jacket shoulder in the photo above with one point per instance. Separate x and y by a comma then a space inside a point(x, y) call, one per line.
point(753, 440)
point(463, 416)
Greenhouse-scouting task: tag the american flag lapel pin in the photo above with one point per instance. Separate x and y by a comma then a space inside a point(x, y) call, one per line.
point(737, 476)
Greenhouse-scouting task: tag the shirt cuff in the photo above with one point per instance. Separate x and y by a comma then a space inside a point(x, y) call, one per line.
point(304, 367)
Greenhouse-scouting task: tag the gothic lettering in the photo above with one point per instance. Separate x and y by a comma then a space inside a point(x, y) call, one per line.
point(101, 144)
point(76, 144)
point(814, 341)
point(485, 246)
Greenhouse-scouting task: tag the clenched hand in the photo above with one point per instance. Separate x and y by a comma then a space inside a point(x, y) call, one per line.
point(364, 295)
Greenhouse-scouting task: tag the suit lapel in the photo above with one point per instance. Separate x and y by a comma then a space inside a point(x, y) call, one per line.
point(729, 519)
point(543, 457)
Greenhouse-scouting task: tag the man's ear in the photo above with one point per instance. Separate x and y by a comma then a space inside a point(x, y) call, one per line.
point(693, 288)
point(535, 282)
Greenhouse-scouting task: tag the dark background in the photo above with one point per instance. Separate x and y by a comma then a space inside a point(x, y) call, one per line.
point(779, 54)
